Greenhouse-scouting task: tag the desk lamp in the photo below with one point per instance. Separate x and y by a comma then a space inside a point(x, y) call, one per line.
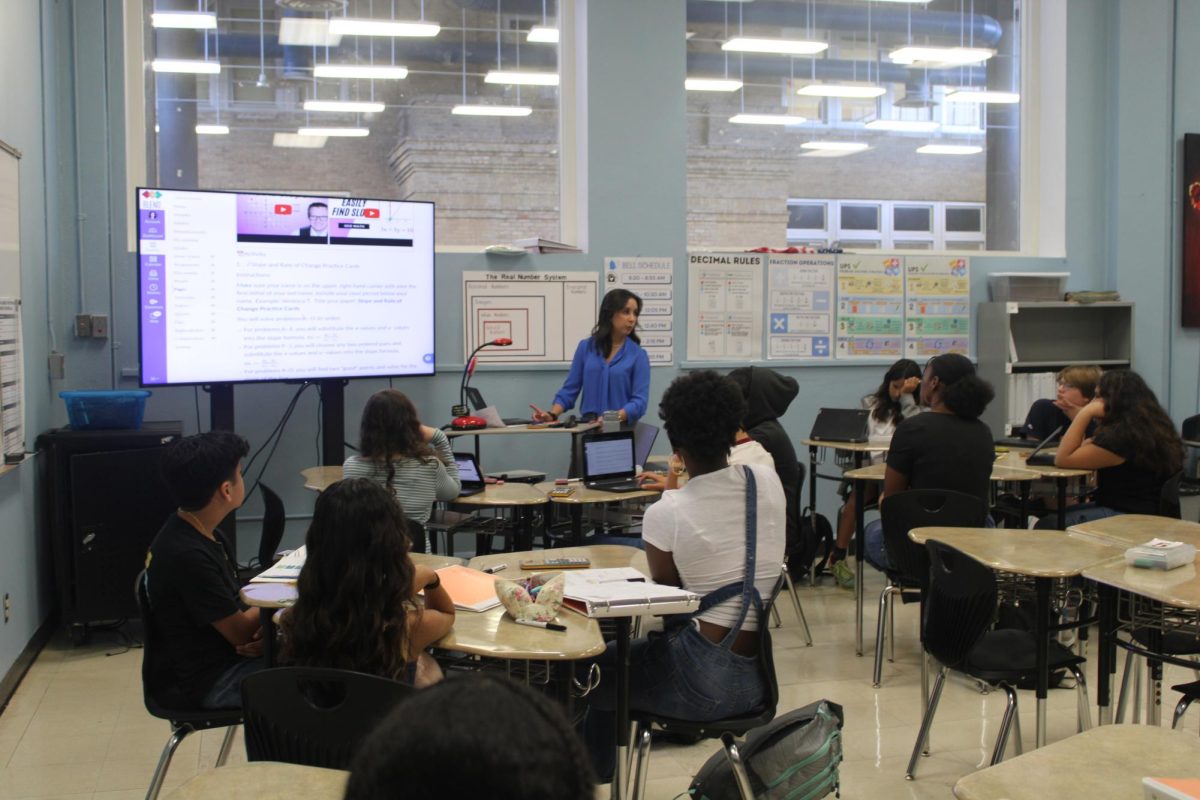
point(463, 419)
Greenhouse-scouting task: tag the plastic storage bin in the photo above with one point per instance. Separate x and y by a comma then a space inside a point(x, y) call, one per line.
point(1027, 286)
point(96, 410)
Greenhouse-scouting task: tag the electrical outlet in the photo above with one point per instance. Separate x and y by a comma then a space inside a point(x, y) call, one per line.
point(7, 608)
point(99, 326)
point(83, 326)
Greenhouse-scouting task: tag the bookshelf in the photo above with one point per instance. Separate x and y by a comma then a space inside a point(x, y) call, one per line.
point(1017, 339)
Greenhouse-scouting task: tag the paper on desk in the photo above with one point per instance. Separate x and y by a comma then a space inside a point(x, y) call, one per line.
point(286, 570)
point(494, 420)
point(590, 577)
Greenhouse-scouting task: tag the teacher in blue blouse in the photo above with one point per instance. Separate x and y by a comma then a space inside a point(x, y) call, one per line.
point(610, 366)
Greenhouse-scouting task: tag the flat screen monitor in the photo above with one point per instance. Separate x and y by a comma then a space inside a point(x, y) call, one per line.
point(236, 287)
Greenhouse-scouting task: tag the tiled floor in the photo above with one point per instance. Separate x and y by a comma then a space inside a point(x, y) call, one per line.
point(76, 727)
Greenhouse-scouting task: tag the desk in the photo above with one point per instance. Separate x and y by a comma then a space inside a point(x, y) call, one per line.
point(876, 472)
point(1128, 530)
point(509, 430)
point(1104, 763)
point(1041, 555)
point(318, 479)
point(583, 496)
point(264, 780)
point(1060, 475)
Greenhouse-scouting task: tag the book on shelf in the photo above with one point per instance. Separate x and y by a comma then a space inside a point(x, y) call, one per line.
point(627, 597)
point(470, 589)
point(537, 244)
point(285, 570)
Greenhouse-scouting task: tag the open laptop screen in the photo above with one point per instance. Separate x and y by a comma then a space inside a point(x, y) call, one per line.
point(606, 456)
point(468, 472)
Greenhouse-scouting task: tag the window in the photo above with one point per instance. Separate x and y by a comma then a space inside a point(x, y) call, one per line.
point(876, 100)
point(389, 100)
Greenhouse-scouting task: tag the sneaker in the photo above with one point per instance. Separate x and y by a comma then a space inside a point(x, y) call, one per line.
point(843, 574)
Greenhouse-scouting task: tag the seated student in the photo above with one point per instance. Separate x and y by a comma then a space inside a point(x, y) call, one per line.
point(1076, 388)
point(768, 395)
point(211, 637)
point(744, 451)
point(357, 607)
point(947, 447)
point(1135, 449)
point(892, 402)
point(699, 537)
point(473, 736)
point(411, 460)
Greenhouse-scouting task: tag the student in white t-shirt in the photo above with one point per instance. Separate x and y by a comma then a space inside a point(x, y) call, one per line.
point(744, 451)
point(705, 667)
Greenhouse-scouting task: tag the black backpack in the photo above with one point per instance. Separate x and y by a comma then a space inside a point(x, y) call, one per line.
point(802, 556)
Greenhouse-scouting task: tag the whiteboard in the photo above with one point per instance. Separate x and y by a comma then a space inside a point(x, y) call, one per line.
point(543, 314)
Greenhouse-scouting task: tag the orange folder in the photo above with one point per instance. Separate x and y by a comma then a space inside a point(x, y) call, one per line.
point(470, 589)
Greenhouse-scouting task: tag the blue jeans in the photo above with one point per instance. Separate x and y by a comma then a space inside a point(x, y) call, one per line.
point(227, 691)
point(675, 673)
point(1076, 515)
point(873, 548)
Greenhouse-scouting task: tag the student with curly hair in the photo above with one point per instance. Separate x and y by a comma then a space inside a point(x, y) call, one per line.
point(948, 447)
point(702, 538)
point(473, 736)
point(412, 461)
point(357, 607)
point(1135, 449)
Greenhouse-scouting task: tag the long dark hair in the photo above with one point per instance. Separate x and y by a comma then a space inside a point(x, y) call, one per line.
point(354, 584)
point(963, 392)
point(390, 429)
point(613, 302)
point(1132, 411)
point(883, 407)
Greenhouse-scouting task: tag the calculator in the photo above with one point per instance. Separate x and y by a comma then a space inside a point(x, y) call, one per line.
point(555, 563)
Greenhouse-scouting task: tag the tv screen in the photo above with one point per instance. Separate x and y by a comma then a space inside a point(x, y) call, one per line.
point(237, 287)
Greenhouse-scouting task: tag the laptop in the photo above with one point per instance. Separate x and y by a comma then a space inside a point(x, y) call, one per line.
point(644, 437)
point(1039, 459)
point(841, 425)
point(469, 474)
point(608, 463)
point(476, 399)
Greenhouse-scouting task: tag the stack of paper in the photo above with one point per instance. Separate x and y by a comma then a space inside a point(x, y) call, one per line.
point(1160, 554)
point(539, 245)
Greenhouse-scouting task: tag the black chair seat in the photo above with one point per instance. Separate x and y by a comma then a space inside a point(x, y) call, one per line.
point(1174, 643)
point(1011, 656)
point(1191, 690)
point(738, 726)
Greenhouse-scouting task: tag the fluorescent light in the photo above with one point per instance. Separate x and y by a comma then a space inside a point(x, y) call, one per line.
point(357, 26)
point(711, 84)
point(491, 111)
point(787, 47)
point(334, 131)
point(388, 73)
point(912, 2)
point(213, 129)
point(307, 32)
point(841, 90)
point(521, 78)
point(950, 149)
point(190, 20)
point(542, 35)
point(903, 125)
point(941, 56)
point(767, 119)
point(827, 153)
point(968, 96)
point(296, 140)
point(342, 105)
point(187, 66)
point(838, 147)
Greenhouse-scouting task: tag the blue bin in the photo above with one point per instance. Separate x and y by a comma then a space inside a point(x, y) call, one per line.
point(99, 410)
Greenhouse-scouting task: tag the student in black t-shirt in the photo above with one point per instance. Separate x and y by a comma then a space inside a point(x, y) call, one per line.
point(1076, 388)
point(947, 447)
point(1135, 449)
point(212, 639)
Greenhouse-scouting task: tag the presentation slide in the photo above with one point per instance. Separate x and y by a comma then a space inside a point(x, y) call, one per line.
point(237, 287)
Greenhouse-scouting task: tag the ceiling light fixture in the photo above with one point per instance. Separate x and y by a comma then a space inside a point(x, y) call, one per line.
point(950, 149)
point(835, 146)
point(333, 132)
point(542, 34)
point(903, 125)
point(785, 47)
point(850, 90)
point(186, 66)
point(360, 71)
point(187, 20)
point(216, 130)
point(307, 32)
point(767, 119)
point(941, 56)
point(969, 96)
point(476, 110)
point(343, 105)
point(711, 84)
point(296, 140)
point(514, 78)
point(357, 26)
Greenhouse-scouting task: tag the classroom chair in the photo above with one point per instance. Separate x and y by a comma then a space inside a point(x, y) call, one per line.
point(273, 523)
point(960, 608)
point(1190, 692)
point(314, 715)
point(164, 700)
point(787, 576)
point(1176, 643)
point(908, 576)
point(724, 729)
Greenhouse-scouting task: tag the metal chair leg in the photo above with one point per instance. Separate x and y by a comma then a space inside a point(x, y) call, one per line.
point(1083, 711)
point(926, 723)
point(791, 587)
point(738, 766)
point(775, 616)
point(1180, 709)
point(1018, 742)
point(226, 745)
point(892, 632)
point(164, 760)
point(885, 600)
point(1137, 695)
point(1123, 694)
point(1010, 711)
point(642, 764)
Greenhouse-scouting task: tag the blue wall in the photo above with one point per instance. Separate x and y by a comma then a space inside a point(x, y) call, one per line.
point(1130, 98)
